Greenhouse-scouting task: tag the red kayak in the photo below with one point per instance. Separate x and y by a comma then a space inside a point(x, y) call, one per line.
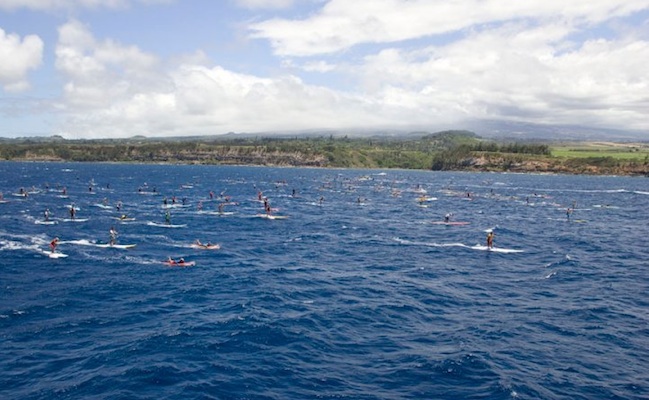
point(180, 263)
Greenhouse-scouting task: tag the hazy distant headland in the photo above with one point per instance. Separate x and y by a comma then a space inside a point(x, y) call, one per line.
point(451, 150)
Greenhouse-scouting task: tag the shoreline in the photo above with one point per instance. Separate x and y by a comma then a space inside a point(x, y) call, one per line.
point(491, 169)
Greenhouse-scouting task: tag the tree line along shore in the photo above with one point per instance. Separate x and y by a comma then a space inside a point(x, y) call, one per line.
point(442, 151)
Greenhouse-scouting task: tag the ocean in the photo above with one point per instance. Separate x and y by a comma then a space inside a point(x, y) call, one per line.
point(355, 288)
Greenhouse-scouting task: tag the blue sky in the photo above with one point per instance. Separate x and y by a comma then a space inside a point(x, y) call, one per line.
point(120, 68)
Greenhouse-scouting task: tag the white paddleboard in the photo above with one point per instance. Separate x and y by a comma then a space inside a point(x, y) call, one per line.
point(220, 214)
point(127, 219)
point(266, 216)
point(166, 225)
point(55, 254)
point(38, 222)
point(177, 205)
point(116, 246)
point(495, 249)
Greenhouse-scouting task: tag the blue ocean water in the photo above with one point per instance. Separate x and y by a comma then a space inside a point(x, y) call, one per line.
point(357, 294)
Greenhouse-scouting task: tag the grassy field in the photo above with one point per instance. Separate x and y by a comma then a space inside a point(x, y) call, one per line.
point(622, 151)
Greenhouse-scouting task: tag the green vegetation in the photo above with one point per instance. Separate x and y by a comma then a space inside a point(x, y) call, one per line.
point(599, 149)
point(448, 150)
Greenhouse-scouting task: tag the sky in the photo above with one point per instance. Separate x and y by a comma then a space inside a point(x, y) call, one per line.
point(121, 68)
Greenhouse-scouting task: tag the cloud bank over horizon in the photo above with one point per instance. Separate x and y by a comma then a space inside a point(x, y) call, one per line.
point(290, 65)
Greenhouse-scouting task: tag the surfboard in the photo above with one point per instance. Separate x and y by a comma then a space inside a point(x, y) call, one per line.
point(177, 205)
point(495, 249)
point(39, 222)
point(103, 206)
point(116, 246)
point(450, 223)
point(124, 219)
point(75, 219)
point(223, 213)
point(55, 254)
point(266, 216)
point(150, 223)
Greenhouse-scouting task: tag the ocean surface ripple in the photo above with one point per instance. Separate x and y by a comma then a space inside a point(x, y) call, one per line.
point(356, 290)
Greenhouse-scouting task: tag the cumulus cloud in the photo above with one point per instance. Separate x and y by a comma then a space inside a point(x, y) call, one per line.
point(507, 66)
point(100, 71)
point(528, 61)
point(342, 24)
point(19, 56)
point(517, 73)
point(119, 90)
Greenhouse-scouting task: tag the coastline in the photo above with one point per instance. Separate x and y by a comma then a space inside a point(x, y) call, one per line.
point(442, 151)
point(523, 168)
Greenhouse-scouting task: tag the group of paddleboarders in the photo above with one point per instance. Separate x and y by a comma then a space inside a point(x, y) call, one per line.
point(490, 233)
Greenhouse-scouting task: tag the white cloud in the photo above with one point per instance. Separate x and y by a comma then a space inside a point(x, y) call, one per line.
point(100, 72)
point(18, 57)
point(342, 24)
point(516, 73)
point(215, 101)
point(116, 90)
point(525, 69)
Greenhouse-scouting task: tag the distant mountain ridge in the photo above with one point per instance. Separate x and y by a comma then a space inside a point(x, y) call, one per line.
point(493, 129)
